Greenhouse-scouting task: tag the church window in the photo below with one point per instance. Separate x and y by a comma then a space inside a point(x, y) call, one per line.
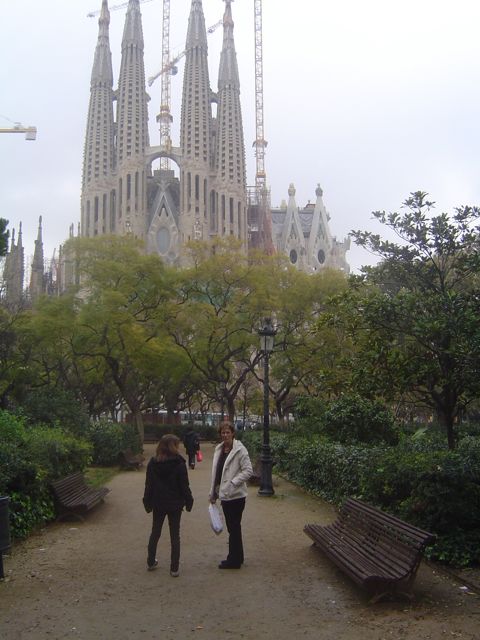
point(321, 256)
point(293, 256)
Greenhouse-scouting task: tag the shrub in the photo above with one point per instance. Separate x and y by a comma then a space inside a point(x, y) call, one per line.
point(27, 512)
point(434, 489)
point(350, 419)
point(31, 456)
point(52, 406)
point(56, 451)
point(109, 438)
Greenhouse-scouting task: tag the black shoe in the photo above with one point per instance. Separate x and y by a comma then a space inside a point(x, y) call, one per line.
point(225, 564)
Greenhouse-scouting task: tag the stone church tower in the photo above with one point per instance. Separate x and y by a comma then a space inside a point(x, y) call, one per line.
point(120, 192)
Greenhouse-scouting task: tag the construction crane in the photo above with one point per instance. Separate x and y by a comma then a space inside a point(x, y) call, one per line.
point(30, 132)
point(164, 118)
point(260, 144)
point(123, 5)
point(168, 69)
point(170, 65)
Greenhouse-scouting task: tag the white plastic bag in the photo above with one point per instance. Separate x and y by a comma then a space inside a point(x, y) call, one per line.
point(215, 518)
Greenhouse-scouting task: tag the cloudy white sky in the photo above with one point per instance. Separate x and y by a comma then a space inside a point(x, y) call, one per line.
point(371, 99)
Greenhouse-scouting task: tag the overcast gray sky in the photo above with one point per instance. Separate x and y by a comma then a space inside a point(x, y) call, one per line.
point(371, 99)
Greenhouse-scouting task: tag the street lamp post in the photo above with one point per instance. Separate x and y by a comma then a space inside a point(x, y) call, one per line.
point(267, 334)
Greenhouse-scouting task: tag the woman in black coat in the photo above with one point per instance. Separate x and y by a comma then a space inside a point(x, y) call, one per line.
point(167, 491)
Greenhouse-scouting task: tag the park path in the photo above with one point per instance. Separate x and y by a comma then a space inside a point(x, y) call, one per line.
point(88, 580)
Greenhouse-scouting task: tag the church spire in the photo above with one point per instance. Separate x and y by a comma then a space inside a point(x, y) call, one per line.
point(230, 146)
point(196, 34)
point(98, 201)
point(228, 72)
point(195, 131)
point(102, 65)
point(37, 276)
point(132, 128)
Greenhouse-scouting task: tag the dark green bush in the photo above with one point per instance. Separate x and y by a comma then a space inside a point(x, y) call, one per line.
point(109, 438)
point(350, 419)
point(53, 406)
point(27, 512)
point(30, 457)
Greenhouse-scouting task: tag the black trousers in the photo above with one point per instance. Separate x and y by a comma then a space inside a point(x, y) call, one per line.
point(233, 510)
point(192, 457)
point(174, 526)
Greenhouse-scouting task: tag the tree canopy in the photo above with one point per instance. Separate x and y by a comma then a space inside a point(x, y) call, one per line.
point(415, 315)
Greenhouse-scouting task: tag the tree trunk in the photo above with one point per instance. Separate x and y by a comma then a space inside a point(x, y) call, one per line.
point(447, 422)
point(231, 408)
point(138, 423)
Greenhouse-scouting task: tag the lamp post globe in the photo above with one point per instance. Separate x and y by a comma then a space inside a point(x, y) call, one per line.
point(267, 337)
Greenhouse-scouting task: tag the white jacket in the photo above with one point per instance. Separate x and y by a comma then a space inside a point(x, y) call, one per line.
point(236, 471)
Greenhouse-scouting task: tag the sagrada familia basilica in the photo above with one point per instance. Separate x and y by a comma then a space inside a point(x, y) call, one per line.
point(206, 198)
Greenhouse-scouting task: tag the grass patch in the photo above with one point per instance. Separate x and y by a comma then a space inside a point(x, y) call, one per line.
point(99, 476)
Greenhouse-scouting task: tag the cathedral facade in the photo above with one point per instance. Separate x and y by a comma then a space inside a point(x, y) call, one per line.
point(122, 193)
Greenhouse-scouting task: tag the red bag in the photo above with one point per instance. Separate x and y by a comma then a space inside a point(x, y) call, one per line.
point(199, 456)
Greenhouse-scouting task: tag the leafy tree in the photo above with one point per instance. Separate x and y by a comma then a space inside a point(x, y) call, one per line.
point(215, 317)
point(415, 315)
point(4, 235)
point(119, 323)
point(306, 351)
point(15, 366)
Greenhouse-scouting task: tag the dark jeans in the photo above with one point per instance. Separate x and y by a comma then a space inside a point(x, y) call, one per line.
point(233, 510)
point(192, 456)
point(174, 526)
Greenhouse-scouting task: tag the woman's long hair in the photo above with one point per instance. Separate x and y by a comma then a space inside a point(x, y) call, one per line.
point(168, 446)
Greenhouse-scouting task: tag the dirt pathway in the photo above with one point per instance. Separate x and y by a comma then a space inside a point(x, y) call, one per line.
point(88, 580)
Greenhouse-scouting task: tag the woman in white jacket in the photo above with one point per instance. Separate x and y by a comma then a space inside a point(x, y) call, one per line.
point(231, 469)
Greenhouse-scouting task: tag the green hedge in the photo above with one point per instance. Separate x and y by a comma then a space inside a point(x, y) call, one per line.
point(437, 490)
point(30, 457)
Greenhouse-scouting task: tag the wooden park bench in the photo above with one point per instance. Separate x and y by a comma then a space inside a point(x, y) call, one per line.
point(129, 460)
point(378, 551)
point(74, 497)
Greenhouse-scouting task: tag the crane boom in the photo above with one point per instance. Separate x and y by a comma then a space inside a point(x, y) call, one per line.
point(170, 64)
point(123, 5)
point(30, 132)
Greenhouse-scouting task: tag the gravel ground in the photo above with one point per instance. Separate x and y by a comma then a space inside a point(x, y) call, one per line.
point(88, 579)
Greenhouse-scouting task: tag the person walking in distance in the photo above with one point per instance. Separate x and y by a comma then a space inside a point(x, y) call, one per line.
point(231, 469)
point(167, 491)
point(191, 443)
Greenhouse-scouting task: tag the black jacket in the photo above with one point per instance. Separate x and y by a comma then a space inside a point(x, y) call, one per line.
point(166, 485)
point(191, 441)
